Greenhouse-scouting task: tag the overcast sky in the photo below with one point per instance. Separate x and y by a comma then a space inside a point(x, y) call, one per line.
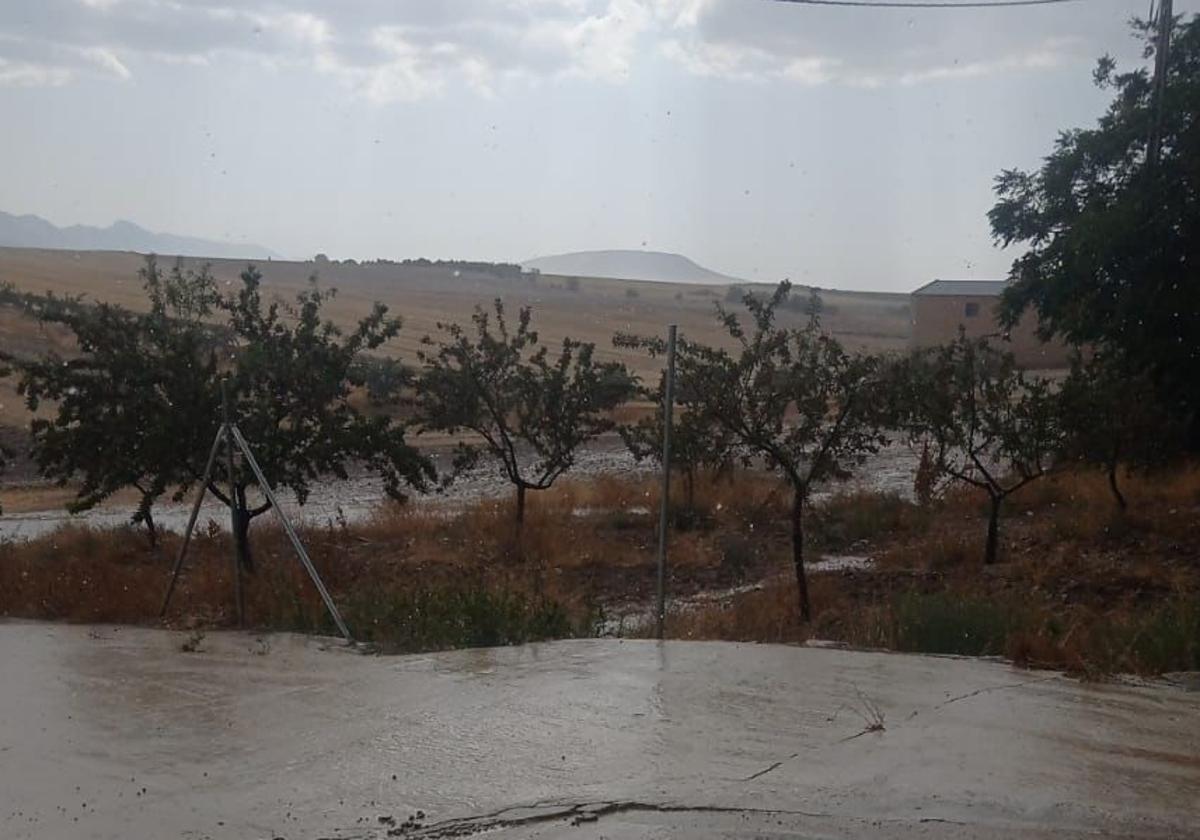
point(852, 148)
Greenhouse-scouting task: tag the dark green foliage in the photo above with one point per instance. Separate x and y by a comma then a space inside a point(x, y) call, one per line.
point(1168, 639)
point(945, 623)
point(980, 420)
point(123, 403)
point(140, 405)
point(386, 380)
point(1112, 415)
point(531, 411)
point(1113, 241)
point(457, 618)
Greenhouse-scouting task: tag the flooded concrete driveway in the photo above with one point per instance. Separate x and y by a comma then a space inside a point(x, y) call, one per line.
point(117, 733)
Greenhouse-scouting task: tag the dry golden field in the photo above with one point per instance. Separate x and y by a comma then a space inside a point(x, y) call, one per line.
point(425, 295)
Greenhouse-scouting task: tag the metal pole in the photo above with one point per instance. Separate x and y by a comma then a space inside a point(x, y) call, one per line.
point(668, 405)
point(233, 510)
point(1162, 49)
point(187, 534)
point(265, 486)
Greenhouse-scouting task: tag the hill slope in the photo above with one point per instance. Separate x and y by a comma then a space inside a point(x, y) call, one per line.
point(629, 265)
point(30, 231)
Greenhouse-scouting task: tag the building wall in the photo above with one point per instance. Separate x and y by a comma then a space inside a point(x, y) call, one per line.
point(936, 319)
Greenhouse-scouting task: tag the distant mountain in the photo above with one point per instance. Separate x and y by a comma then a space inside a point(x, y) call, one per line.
point(629, 265)
point(35, 232)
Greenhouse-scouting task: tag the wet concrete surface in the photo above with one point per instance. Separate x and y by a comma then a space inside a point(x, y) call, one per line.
point(116, 733)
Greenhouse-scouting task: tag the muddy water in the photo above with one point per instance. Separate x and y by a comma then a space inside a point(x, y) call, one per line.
point(117, 733)
point(329, 502)
point(358, 498)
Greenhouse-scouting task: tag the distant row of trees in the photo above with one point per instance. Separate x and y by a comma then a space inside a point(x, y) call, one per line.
point(139, 405)
point(501, 270)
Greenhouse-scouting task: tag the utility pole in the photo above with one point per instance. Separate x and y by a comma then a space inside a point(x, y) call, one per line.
point(664, 514)
point(1162, 48)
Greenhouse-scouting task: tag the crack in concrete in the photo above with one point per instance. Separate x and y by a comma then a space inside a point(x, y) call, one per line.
point(985, 690)
point(879, 727)
point(767, 770)
point(578, 813)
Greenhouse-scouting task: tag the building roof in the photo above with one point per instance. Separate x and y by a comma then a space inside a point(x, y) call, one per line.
point(963, 288)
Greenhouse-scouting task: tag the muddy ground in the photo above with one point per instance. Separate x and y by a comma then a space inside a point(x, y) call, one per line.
point(110, 732)
point(357, 498)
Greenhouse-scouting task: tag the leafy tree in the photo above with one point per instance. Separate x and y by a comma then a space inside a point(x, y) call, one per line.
point(386, 380)
point(292, 377)
point(981, 421)
point(696, 443)
point(120, 404)
point(792, 398)
point(1112, 416)
point(140, 404)
point(1113, 240)
point(531, 411)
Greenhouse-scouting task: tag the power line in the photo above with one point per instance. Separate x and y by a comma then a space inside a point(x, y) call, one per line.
point(927, 4)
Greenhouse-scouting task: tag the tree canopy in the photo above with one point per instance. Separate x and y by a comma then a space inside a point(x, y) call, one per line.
point(531, 411)
point(139, 404)
point(1113, 240)
point(980, 420)
point(1112, 417)
point(792, 399)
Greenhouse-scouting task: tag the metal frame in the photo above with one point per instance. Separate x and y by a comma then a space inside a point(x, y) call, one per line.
point(233, 437)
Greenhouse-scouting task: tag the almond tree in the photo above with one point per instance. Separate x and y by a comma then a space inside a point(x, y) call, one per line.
point(530, 411)
point(139, 404)
point(791, 399)
point(983, 421)
point(696, 443)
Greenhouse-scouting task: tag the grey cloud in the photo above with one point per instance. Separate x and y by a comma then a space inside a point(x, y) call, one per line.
point(389, 51)
point(384, 49)
point(872, 47)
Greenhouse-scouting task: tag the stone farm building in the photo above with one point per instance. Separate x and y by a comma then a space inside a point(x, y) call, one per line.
point(941, 307)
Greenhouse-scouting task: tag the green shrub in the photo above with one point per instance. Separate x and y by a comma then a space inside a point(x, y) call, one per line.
point(440, 619)
point(1167, 639)
point(943, 623)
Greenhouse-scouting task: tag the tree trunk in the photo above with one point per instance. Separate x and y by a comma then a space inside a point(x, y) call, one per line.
point(798, 555)
point(520, 504)
point(993, 533)
point(1112, 483)
point(151, 529)
point(689, 485)
point(241, 531)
